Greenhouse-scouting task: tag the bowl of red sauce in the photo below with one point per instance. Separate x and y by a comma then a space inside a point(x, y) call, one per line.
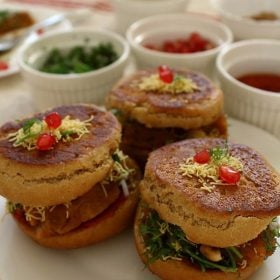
point(249, 74)
point(184, 40)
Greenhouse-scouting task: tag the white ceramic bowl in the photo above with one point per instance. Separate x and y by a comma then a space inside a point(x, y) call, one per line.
point(129, 11)
point(236, 15)
point(57, 89)
point(256, 106)
point(157, 29)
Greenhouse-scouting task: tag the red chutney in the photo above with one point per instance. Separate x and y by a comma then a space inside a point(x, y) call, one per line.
point(264, 81)
point(191, 44)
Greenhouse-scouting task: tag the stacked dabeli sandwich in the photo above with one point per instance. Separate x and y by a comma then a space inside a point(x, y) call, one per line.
point(208, 211)
point(67, 183)
point(161, 106)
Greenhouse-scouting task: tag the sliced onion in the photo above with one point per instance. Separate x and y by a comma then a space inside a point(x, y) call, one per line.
point(124, 188)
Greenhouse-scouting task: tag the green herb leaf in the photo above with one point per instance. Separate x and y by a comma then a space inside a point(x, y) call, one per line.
point(28, 124)
point(79, 59)
point(164, 241)
point(218, 153)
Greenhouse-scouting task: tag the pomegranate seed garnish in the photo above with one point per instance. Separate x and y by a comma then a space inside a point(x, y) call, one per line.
point(40, 31)
point(165, 74)
point(229, 175)
point(202, 157)
point(53, 120)
point(4, 66)
point(45, 142)
point(190, 44)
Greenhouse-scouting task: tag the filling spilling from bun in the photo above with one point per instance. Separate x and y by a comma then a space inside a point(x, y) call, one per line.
point(164, 241)
point(150, 139)
point(63, 218)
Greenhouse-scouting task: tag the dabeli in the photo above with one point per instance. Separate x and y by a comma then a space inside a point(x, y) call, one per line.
point(67, 183)
point(208, 211)
point(161, 106)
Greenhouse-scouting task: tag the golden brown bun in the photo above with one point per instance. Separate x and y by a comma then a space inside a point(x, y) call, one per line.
point(217, 218)
point(37, 178)
point(183, 110)
point(254, 253)
point(111, 222)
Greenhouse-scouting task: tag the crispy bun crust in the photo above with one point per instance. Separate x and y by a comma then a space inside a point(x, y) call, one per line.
point(52, 177)
point(111, 222)
point(218, 217)
point(255, 254)
point(183, 110)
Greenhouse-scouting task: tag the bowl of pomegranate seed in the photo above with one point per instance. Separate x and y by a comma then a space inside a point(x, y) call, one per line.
point(78, 66)
point(178, 40)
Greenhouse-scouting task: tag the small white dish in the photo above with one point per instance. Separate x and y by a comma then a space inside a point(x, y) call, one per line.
point(236, 15)
point(50, 90)
point(159, 28)
point(244, 102)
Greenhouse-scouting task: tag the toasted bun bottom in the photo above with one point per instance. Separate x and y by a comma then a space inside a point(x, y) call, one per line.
point(111, 222)
point(182, 270)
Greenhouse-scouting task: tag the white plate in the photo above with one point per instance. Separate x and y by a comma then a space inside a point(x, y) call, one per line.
point(38, 13)
point(116, 259)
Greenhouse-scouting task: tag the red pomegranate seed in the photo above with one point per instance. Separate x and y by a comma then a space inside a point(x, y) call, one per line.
point(191, 44)
point(40, 31)
point(53, 120)
point(4, 65)
point(202, 157)
point(45, 142)
point(229, 175)
point(165, 74)
point(19, 215)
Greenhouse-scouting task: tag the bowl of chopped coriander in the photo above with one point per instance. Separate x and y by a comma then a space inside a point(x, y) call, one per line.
point(78, 66)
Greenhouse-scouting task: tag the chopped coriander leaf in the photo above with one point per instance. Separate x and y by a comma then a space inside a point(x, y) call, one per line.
point(79, 59)
point(167, 241)
point(4, 14)
point(218, 153)
point(28, 124)
point(116, 157)
point(268, 237)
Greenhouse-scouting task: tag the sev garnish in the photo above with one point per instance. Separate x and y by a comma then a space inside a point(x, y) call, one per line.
point(208, 173)
point(180, 84)
point(68, 130)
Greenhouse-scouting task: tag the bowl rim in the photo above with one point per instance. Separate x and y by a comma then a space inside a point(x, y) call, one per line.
point(224, 13)
point(224, 72)
point(110, 34)
point(188, 15)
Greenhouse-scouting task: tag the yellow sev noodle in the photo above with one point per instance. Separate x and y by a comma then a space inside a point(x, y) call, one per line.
point(28, 139)
point(179, 85)
point(208, 173)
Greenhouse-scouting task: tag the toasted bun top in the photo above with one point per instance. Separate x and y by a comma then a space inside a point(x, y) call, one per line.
point(42, 178)
point(185, 110)
point(104, 127)
point(257, 193)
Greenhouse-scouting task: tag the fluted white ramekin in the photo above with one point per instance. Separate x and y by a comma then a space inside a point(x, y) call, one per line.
point(50, 90)
point(252, 105)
